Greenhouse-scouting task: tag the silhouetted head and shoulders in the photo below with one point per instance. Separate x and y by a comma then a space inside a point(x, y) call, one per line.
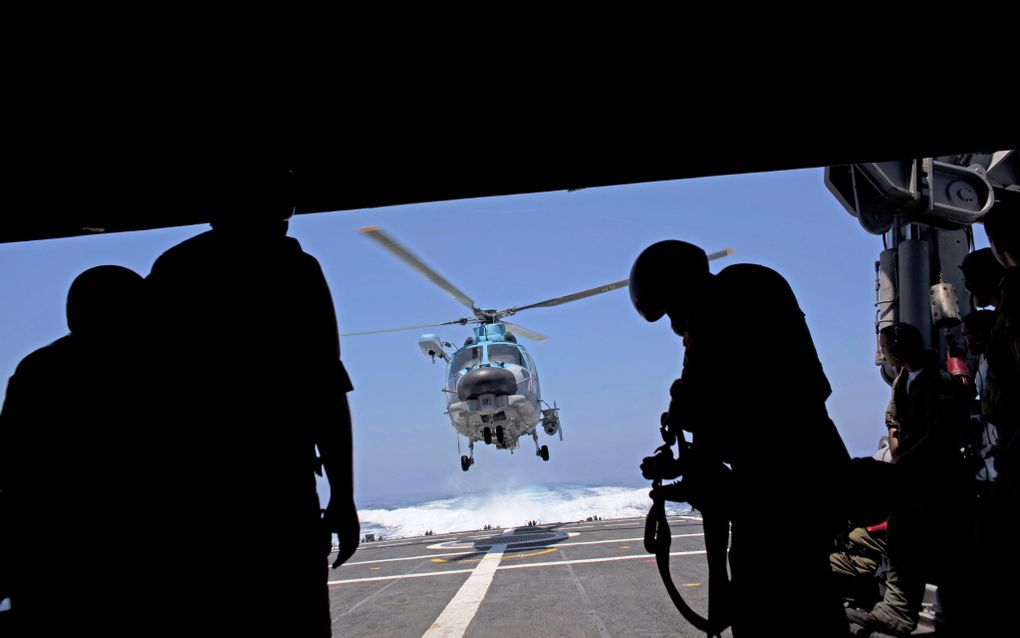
point(672, 278)
point(1002, 225)
point(743, 310)
point(982, 276)
point(902, 344)
point(104, 312)
point(249, 215)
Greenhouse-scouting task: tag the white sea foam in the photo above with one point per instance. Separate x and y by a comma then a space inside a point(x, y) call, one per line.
point(510, 507)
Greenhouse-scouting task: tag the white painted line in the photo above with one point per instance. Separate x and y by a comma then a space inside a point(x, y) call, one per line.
point(461, 609)
point(558, 563)
point(529, 547)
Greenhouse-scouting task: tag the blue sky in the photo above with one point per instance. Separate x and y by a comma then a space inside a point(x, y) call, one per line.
point(606, 368)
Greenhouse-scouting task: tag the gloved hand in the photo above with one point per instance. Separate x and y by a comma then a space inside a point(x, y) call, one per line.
point(342, 519)
point(661, 465)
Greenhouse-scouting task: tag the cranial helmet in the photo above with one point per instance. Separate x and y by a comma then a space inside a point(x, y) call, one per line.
point(662, 276)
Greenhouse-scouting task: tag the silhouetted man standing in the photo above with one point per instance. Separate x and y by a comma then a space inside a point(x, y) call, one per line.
point(253, 385)
point(753, 395)
point(72, 443)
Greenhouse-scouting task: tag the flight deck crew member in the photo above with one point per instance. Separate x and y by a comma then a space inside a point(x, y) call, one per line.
point(999, 523)
point(73, 442)
point(926, 418)
point(752, 391)
point(252, 386)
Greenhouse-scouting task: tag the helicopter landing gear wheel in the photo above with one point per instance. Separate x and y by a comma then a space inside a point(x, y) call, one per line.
point(487, 435)
point(465, 463)
point(544, 452)
point(499, 434)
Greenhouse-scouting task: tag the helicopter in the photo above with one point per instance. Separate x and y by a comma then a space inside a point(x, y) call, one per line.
point(492, 385)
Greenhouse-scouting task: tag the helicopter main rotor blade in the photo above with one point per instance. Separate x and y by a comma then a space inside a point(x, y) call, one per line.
point(408, 258)
point(598, 290)
point(421, 325)
point(555, 301)
point(524, 332)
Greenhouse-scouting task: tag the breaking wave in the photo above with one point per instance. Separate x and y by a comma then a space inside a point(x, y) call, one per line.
point(510, 507)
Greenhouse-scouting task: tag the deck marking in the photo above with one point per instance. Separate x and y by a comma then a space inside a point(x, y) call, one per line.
point(502, 567)
point(461, 609)
point(547, 550)
point(374, 594)
point(554, 563)
point(593, 614)
point(466, 553)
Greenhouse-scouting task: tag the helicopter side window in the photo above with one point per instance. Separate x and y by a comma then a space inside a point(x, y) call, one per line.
point(504, 354)
point(530, 364)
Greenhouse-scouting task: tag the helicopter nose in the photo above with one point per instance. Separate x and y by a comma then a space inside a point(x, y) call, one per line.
point(486, 380)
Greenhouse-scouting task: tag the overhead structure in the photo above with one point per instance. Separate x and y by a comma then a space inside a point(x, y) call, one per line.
point(177, 180)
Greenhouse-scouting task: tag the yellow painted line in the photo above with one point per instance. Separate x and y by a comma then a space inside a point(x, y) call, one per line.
point(505, 556)
point(624, 546)
point(375, 569)
point(692, 584)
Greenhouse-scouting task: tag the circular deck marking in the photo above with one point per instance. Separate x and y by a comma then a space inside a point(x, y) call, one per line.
point(548, 550)
point(527, 537)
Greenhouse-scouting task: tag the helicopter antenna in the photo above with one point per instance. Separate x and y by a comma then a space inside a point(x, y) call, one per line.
point(406, 256)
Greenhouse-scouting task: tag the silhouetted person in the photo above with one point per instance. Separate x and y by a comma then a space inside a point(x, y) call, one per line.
point(926, 419)
point(982, 436)
point(999, 524)
point(982, 274)
point(1003, 228)
point(753, 395)
point(253, 384)
point(72, 446)
point(860, 563)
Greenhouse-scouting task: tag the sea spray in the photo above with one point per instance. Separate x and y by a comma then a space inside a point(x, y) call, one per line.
point(509, 507)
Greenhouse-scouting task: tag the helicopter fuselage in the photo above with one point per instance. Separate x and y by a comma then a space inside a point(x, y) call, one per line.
point(492, 383)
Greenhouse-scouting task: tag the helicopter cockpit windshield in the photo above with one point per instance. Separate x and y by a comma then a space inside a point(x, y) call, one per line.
point(466, 358)
point(504, 354)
